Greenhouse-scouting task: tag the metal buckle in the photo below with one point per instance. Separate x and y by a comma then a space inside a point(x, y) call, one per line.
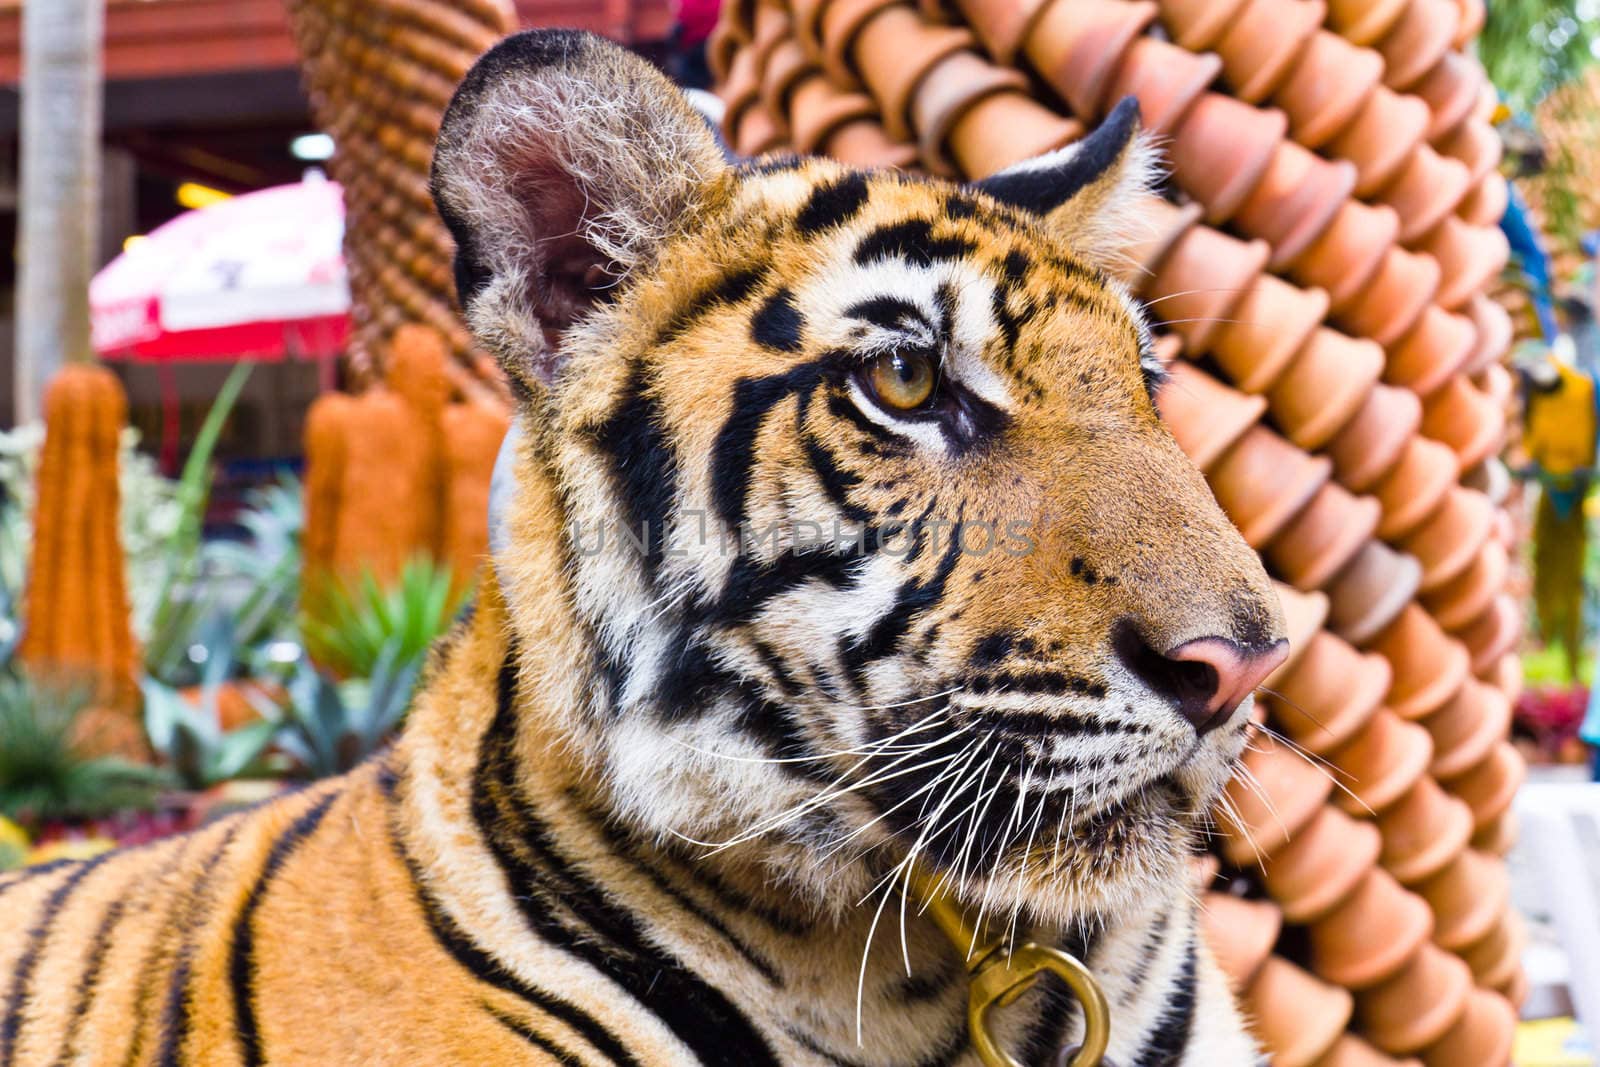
point(999, 975)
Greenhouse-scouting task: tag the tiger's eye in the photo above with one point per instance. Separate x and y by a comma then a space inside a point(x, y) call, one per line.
point(903, 381)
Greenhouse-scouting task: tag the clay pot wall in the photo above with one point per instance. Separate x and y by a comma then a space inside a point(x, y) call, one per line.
point(379, 74)
point(1322, 255)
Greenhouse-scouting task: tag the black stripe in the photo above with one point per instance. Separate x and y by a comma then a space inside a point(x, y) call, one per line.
point(836, 481)
point(564, 907)
point(731, 288)
point(913, 597)
point(913, 241)
point(241, 955)
point(90, 978)
point(777, 323)
point(642, 465)
point(733, 455)
point(1170, 1039)
point(17, 995)
point(832, 204)
point(175, 1014)
point(453, 940)
point(888, 313)
point(532, 1037)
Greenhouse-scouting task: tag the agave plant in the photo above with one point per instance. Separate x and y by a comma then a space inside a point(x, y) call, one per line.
point(355, 624)
point(332, 726)
point(45, 772)
point(190, 735)
point(266, 564)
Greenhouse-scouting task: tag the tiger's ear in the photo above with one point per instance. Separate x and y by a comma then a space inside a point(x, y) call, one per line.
point(1089, 191)
point(563, 164)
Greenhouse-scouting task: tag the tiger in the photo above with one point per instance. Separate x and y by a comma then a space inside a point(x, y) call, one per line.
point(904, 570)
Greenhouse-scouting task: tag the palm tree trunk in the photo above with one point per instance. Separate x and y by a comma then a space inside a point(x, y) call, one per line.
point(59, 211)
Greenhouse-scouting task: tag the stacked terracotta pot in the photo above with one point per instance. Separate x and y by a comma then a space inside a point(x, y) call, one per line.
point(380, 74)
point(1321, 265)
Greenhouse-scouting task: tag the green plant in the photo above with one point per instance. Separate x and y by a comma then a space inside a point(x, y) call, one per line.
point(351, 629)
point(1532, 46)
point(266, 566)
point(331, 726)
point(182, 602)
point(45, 773)
point(189, 735)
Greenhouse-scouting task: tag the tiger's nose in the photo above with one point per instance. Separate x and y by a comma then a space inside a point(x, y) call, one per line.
point(1207, 678)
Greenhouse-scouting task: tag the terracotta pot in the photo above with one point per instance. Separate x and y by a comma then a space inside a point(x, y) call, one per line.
point(1263, 481)
point(1371, 934)
point(1473, 14)
point(1423, 831)
point(1486, 204)
point(1395, 300)
point(1373, 441)
point(1496, 959)
point(1493, 634)
point(1429, 666)
point(1470, 256)
point(1416, 487)
point(1489, 788)
point(1382, 763)
point(1297, 1017)
point(1323, 538)
point(1508, 677)
point(1467, 728)
point(1348, 255)
point(817, 109)
point(1007, 128)
point(1467, 897)
point(1002, 25)
point(725, 41)
point(1499, 836)
point(1463, 600)
point(1166, 80)
point(1311, 874)
point(840, 22)
point(1331, 693)
point(1303, 616)
point(1515, 989)
point(1204, 415)
point(1324, 387)
point(1460, 416)
point(1262, 44)
point(1077, 47)
point(1295, 201)
point(1431, 352)
point(1223, 151)
point(1428, 188)
point(1200, 282)
point(1451, 90)
point(758, 132)
point(1451, 538)
point(893, 52)
point(1477, 146)
point(1484, 1034)
point(1381, 138)
point(785, 66)
point(1416, 1006)
point(1364, 21)
point(951, 89)
point(1196, 24)
point(1327, 87)
point(805, 20)
point(864, 143)
point(1368, 594)
point(770, 28)
point(1498, 385)
point(1417, 41)
point(1351, 1051)
point(1240, 933)
point(1276, 792)
point(741, 88)
point(1266, 330)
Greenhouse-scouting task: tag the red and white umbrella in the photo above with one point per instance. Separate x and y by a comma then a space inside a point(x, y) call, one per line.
point(258, 276)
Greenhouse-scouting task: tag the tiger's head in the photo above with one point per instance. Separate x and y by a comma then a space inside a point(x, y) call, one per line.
point(875, 542)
